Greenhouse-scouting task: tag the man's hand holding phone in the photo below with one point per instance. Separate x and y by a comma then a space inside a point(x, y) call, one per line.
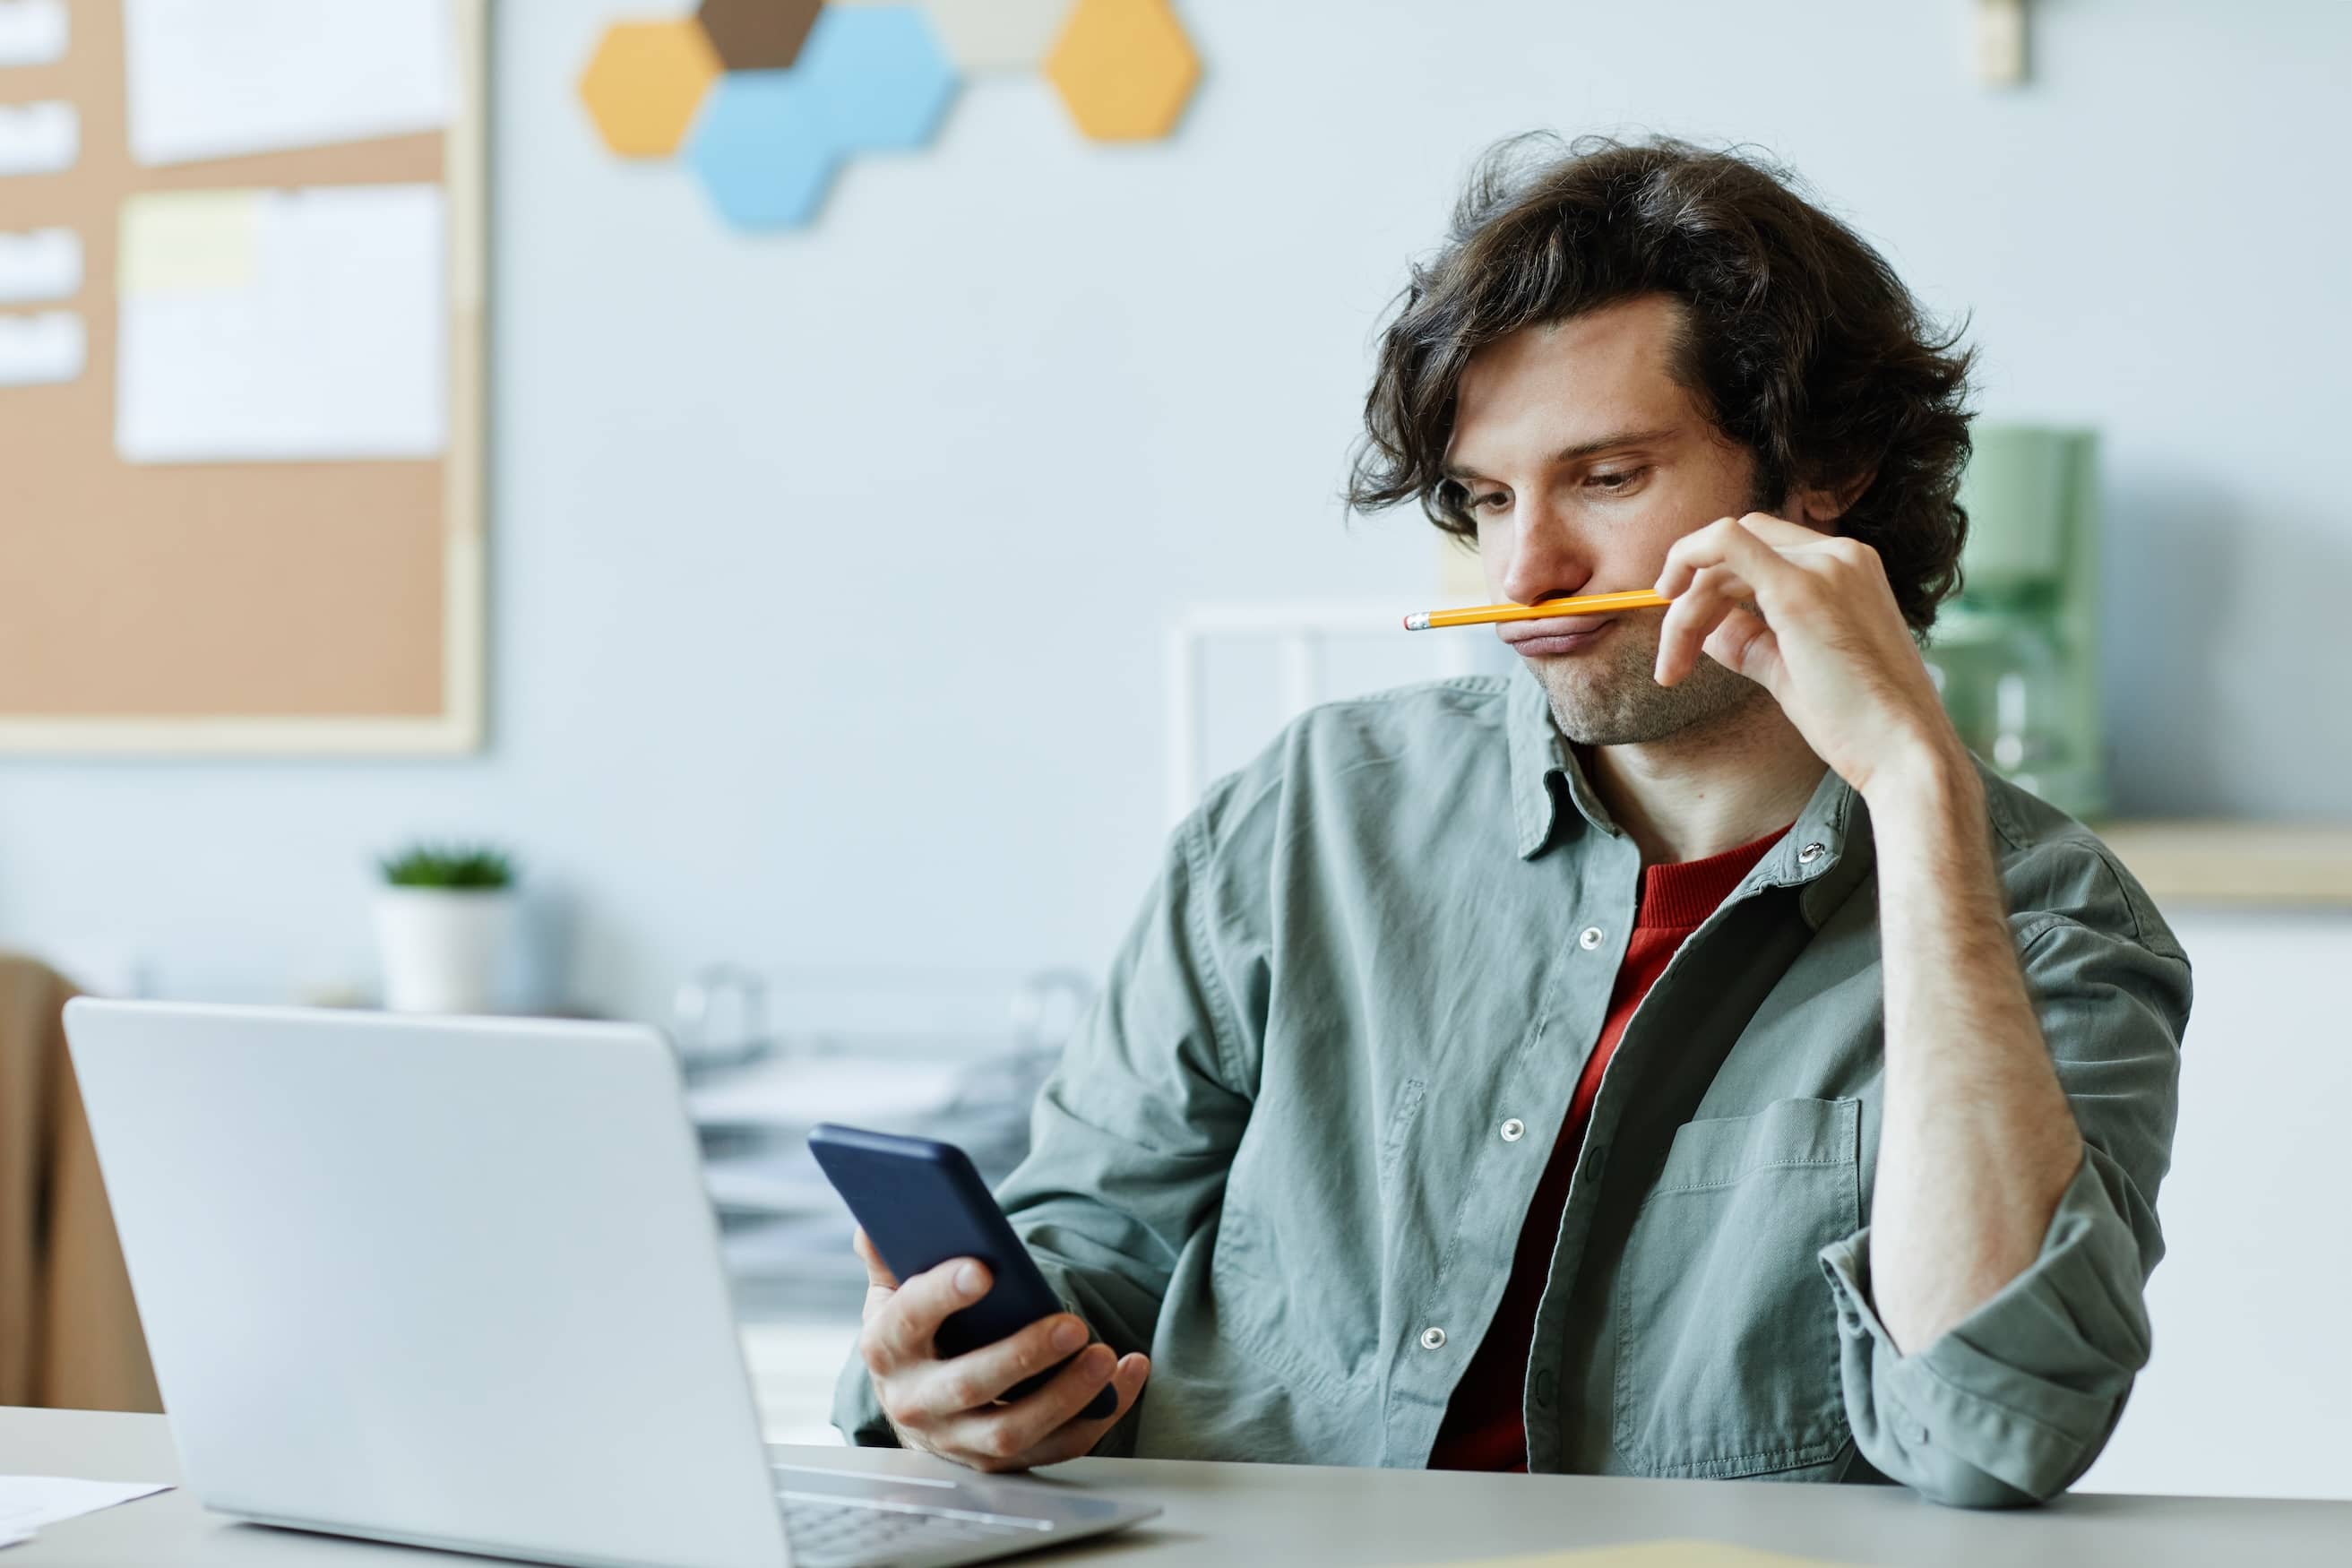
point(956, 1407)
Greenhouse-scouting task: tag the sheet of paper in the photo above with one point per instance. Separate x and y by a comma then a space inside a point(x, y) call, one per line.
point(38, 349)
point(1653, 1554)
point(38, 138)
point(32, 32)
point(43, 264)
point(283, 326)
point(215, 79)
point(29, 1503)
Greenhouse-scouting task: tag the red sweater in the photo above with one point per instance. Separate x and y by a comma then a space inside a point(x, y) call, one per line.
point(1485, 1426)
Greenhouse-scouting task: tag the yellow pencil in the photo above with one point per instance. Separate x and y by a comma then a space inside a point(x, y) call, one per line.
point(1487, 615)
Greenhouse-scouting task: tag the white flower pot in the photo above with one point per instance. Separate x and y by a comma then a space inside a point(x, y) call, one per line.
point(441, 946)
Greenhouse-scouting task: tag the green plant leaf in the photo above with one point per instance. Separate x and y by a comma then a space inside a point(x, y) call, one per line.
point(450, 865)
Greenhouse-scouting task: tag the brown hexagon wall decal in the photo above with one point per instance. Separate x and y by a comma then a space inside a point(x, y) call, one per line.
point(757, 35)
point(1124, 69)
point(644, 83)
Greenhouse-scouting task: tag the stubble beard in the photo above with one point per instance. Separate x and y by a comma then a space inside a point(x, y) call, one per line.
point(1611, 697)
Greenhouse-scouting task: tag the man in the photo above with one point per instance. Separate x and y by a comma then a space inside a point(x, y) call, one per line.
point(1679, 1058)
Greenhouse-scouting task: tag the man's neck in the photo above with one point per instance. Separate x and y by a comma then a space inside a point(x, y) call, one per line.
point(1696, 795)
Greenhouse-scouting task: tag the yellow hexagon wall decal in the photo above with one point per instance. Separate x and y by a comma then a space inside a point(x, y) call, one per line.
point(1124, 69)
point(644, 83)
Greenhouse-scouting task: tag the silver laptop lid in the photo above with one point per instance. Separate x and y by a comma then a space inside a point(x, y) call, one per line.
point(449, 1281)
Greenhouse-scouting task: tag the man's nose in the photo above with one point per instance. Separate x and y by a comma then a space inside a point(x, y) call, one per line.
point(1547, 560)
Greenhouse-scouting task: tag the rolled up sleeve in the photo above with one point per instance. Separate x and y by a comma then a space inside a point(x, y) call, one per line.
point(2015, 1400)
point(2013, 1403)
point(1134, 1132)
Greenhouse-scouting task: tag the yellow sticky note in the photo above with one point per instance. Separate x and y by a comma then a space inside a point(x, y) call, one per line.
point(181, 242)
point(1653, 1555)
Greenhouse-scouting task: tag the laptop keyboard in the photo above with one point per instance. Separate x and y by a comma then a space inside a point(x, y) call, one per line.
point(829, 1533)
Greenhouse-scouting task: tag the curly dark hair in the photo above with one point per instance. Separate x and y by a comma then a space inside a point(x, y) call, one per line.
point(1801, 345)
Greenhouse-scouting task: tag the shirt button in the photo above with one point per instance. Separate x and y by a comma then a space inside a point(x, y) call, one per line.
point(1809, 853)
point(1514, 1130)
point(1589, 937)
point(1433, 1338)
point(1545, 1384)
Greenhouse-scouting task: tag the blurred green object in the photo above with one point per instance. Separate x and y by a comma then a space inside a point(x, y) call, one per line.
point(2015, 653)
point(454, 865)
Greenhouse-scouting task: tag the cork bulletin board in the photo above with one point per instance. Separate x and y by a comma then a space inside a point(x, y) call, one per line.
point(162, 595)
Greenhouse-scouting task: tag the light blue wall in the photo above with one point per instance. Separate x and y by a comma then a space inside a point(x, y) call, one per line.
point(765, 512)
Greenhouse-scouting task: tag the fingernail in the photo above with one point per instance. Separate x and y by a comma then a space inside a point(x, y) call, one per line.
point(968, 1280)
point(1069, 1336)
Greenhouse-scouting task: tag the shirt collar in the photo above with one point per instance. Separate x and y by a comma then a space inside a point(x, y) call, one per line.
point(1832, 833)
point(1538, 756)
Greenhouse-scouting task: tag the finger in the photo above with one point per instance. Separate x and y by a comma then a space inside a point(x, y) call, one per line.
point(1780, 533)
point(1711, 594)
point(900, 1331)
point(1003, 1434)
point(1727, 541)
point(877, 1271)
point(1078, 1438)
point(1743, 644)
point(978, 1378)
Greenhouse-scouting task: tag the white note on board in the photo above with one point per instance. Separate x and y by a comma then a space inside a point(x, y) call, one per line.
point(217, 78)
point(32, 32)
point(283, 326)
point(42, 264)
point(38, 351)
point(38, 138)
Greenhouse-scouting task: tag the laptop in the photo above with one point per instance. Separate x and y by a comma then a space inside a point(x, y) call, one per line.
point(455, 1283)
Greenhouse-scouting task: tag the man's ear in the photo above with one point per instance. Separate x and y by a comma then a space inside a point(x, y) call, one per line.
point(1818, 506)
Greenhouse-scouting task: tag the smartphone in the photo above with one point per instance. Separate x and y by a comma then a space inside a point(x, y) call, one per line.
point(922, 1203)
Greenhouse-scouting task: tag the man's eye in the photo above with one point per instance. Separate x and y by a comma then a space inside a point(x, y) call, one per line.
point(1616, 481)
point(1493, 501)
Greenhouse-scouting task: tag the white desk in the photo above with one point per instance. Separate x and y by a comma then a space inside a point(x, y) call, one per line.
point(1227, 1515)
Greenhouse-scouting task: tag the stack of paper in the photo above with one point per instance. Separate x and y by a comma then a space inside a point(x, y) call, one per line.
point(784, 1232)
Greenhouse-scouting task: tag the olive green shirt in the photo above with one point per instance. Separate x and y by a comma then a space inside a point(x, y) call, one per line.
point(1291, 1151)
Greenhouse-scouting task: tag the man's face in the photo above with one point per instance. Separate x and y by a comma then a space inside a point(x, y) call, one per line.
point(1583, 460)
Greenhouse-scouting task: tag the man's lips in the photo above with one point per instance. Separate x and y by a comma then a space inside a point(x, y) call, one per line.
point(1553, 634)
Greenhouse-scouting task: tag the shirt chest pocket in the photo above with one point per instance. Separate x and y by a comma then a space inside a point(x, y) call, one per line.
point(1727, 1336)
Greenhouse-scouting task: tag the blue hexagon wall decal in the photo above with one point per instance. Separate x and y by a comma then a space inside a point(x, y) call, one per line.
point(879, 76)
point(764, 149)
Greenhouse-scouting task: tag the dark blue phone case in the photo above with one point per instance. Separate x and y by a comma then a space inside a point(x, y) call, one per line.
point(922, 1203)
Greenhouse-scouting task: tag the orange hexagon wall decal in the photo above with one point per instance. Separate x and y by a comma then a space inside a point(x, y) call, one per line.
point(644, 83)
point(1124, 69)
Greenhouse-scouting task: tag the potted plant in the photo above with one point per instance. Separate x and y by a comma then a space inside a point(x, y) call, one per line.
point(442, 919)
